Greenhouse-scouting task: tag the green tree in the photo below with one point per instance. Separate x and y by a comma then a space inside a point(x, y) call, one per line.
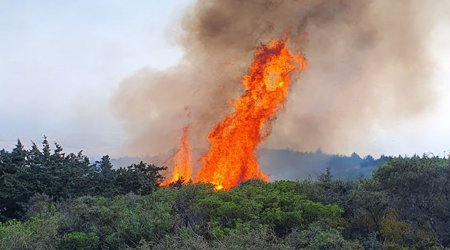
point(139, 178)
point(418, 189)
point(15, 182)
point(106, 179)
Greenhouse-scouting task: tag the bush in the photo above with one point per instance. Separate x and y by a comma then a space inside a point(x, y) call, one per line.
point(33, 234)
point(80, 240)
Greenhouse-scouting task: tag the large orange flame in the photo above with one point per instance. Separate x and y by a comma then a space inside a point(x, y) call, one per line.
point(182, 169)
point(231, 158)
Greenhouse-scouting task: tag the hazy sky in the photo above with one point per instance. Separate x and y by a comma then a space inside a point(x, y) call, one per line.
point(61, 60)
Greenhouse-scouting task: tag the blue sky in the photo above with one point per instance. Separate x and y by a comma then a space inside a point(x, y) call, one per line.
point(60, 61)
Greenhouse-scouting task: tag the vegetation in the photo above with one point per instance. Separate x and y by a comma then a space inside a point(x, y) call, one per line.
point(53, 200)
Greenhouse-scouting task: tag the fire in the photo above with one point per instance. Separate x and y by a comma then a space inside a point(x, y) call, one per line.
point(231, 158)
point(182, 168)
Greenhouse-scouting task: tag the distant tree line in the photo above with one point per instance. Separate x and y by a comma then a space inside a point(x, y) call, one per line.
point(53, 200)
point(315, 163)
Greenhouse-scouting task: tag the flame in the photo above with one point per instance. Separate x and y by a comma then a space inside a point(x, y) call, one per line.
point(182, 168)
point(231, 158)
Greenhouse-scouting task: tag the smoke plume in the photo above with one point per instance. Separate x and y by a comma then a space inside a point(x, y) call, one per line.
point(368, 66)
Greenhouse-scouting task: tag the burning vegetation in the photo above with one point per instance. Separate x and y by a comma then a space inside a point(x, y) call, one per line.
point(231, 158)
point(342, 96)
point(182, 169)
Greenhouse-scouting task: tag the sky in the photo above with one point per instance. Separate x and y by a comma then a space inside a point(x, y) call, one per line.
point(430, 132)
point(60, 62)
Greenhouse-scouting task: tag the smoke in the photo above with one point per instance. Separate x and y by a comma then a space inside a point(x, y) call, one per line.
point(368, 66)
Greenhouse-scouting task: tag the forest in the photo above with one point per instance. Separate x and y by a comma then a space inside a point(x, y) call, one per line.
point(50, 199)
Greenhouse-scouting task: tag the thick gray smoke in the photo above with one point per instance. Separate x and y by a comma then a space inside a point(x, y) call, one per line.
point(368, 66)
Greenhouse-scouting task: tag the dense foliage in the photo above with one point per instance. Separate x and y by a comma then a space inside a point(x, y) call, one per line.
point(53, 200)
point(25, 173)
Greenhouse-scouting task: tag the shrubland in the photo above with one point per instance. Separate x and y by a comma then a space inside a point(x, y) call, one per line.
point(53, 200)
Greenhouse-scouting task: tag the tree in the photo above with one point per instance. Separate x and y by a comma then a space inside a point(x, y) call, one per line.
point(139, 178)
point(15, 182)
point(396, 233)
point(106, 181)
point(419, 190)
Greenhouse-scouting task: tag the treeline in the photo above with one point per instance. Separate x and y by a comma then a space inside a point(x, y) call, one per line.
point(41, 170)
point(405, 205)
